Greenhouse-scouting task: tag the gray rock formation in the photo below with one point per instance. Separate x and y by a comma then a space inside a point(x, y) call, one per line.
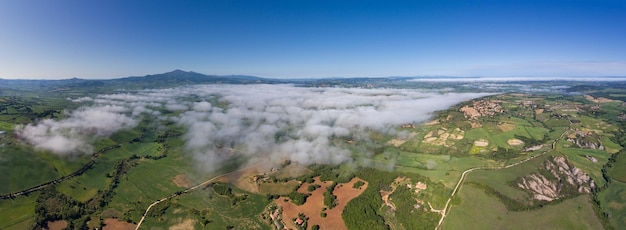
point(586, 140)
point(557, 178)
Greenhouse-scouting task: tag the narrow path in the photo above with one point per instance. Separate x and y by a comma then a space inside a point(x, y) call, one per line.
point(143, 217)
point(447, 208)
point(444, 211)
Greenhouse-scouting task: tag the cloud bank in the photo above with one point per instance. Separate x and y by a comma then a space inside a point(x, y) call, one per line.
point(76, 133)
point(519, 79)
point(269, 122)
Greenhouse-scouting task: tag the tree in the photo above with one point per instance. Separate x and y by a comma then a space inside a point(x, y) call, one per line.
point(330, 200)
point(358, 184)
point(298, 198)
point(312, 187)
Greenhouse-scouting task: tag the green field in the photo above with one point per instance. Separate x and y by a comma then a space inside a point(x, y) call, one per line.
point(30, 167)
point(84, 187)
point(611, 147)
point(499, 138)
point(575, 213)
point(618, 171)
point(139, 187)
point(279, 188)
point(500, 179)
point(6, 126)
point(416, 160)
point(449, 172)
point(217, 211)
point(18, 213)
point(613, 200)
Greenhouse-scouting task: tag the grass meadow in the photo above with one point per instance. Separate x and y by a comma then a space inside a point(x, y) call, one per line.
point(218, 211)
point(18, 213)
point(500, 179)
point(618, 171)
point(29, 167)
point(480, 211)
point(613, 200)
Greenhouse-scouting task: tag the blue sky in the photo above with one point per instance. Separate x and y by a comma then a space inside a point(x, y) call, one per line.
point(300, 38)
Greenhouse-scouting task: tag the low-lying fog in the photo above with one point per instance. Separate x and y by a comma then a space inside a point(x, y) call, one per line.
point(272, 122)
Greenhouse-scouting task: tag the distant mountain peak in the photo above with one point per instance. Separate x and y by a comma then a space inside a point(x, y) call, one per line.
point(178, 71)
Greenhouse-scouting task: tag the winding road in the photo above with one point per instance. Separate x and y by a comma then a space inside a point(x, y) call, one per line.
point(143, 217)
point(446, 209)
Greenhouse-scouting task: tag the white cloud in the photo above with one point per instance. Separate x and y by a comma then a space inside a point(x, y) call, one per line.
point(202, 106)
point(283, 121)
point(75, 133)
point(260, 122)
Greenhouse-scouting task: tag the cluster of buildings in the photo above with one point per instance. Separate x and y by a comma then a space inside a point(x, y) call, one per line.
point(482, 108)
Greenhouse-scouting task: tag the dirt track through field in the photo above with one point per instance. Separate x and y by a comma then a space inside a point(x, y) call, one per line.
point(444, 212)
point(143, 217)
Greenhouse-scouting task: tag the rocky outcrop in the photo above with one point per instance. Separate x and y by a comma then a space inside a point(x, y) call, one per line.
point(532, 148)
point(586, 140)
point(557, 178)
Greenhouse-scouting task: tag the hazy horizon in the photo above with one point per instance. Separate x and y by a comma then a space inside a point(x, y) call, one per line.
point(422, 78)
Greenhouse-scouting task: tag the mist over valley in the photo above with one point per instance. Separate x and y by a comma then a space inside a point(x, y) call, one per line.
point(260, 122)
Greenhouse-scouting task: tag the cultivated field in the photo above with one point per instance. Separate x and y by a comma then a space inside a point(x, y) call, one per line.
point(315, 203)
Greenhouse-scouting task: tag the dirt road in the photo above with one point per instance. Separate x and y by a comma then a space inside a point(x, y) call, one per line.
point(143, 217)
point(446, 209)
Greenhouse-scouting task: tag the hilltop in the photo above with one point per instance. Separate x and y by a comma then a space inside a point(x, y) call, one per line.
point(162, 80)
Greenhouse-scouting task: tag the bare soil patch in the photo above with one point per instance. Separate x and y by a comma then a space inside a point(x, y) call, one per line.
point(385, 194)
point(481, 143)
point(187, 224)
point(433, 122)
point(476, 124)
point(440, 137)
point(314, 204)
point(599, 99)
point(251, 178)
point(515, 142)
point(385, 197)
point(115, 224)
point(182, 180)
point(57, 225)
point(243, 179)
point(399, 141)
point(345, 192)
point(396, 142)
